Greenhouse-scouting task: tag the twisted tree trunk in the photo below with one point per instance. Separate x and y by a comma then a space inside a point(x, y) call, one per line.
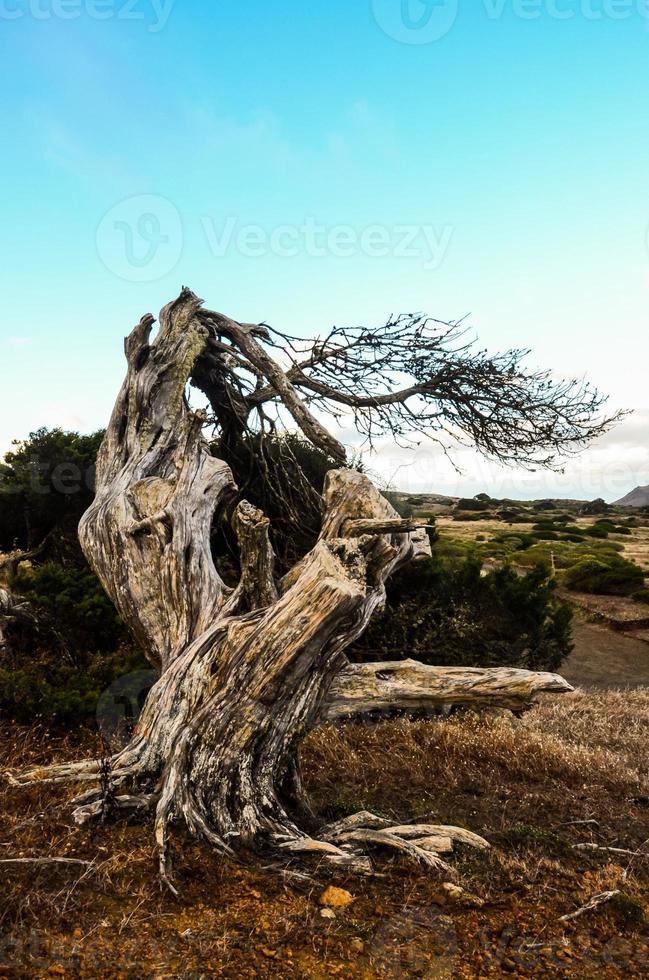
point(245, 672)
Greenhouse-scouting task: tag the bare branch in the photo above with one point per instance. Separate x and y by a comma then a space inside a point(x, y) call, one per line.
point(452, 391)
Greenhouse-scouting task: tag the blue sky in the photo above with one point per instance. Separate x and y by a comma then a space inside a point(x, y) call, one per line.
point(309, 165)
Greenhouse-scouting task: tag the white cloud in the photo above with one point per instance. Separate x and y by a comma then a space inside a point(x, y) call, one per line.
point(613, 465)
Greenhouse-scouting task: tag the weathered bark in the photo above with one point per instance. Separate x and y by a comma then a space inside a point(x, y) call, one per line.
point(245, 672)
point(361, 689)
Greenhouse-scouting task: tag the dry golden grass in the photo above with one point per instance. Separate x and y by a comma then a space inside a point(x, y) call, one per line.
point(521, 783)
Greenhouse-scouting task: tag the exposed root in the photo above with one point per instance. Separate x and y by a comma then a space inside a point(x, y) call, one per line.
point(122, 765)
point(458, 834)
point(89, 811)
point(361, 819)
point(422, 842)
point(381, 838)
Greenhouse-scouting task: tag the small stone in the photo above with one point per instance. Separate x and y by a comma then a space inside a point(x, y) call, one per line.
point(453, 891)
point(337, 898)
point(327, 913)
point(449, 893)
point(268, 953)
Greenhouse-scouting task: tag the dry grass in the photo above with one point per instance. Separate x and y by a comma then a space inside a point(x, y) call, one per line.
point(521, 783)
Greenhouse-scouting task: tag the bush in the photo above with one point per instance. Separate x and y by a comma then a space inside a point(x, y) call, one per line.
point(445, 613)
point(46, 483)
point(473, 504)
point(56, 692)
point(596, 531)
point(609, 575)
point(71, 606)
point(595, 507)
point(516, 542)
point(56, 664)
point(515, 517)
point(545, 505)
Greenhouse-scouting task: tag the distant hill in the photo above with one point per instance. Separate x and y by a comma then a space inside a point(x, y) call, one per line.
point(637, 498)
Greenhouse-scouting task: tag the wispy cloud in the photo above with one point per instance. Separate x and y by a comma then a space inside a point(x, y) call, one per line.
point(609, 468)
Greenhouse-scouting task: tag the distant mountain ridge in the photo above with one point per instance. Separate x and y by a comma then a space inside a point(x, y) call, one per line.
point(637, 498)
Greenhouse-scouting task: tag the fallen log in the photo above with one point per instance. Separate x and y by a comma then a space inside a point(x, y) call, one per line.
point(361, 689)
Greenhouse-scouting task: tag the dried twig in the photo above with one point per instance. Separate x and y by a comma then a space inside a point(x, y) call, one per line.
point(611, 850)
point(48, 860)
point(593, 903)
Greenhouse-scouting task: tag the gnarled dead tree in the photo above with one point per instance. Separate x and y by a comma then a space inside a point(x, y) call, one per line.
point(247, 670)
point(14, 608)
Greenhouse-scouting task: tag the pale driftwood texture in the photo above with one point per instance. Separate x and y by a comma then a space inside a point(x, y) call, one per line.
point(245, 672)
point(360, 689)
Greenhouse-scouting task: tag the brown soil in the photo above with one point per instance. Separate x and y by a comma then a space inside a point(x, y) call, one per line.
point(618, 612)
point(605, 658)
point(524, 784)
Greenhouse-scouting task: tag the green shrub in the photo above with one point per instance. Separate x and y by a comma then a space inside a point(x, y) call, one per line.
point(600, 576)
point(596, 531)
point(56, 664)
point(514, 541)
point(594, 507)
point(473, 504)
point(46, 483)
point(515, 516)
point(55, 691)
point(442, 612)
point(72, 605)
